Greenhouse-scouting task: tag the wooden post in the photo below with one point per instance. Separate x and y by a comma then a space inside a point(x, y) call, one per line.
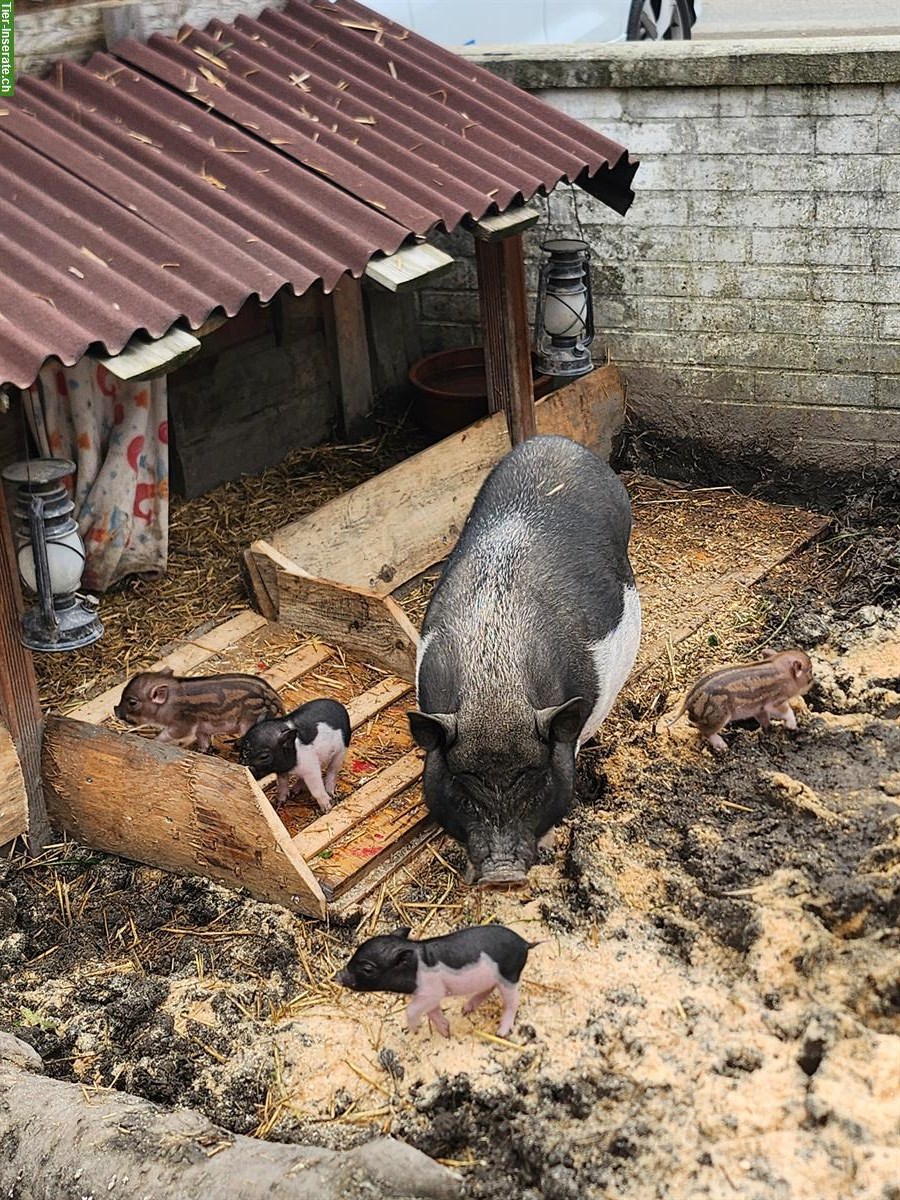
point(345, 333)
point(507, 344)
point(20, 705)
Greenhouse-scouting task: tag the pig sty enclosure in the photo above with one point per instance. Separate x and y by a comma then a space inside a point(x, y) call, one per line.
point(713, 1009)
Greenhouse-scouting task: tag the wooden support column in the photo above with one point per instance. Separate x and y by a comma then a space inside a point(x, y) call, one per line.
point(348, 342)
point(507, 344)
point(20, 706)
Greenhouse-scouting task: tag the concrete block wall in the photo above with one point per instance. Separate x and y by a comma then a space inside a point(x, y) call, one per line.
point(752, 292)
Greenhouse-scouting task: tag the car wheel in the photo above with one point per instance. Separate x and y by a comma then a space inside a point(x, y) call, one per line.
point(654, 20)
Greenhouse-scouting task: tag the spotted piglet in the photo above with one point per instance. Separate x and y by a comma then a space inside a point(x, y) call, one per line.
point(471, 962)
point(307, 742)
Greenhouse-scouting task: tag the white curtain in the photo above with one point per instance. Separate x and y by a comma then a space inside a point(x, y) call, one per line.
point(117, 435)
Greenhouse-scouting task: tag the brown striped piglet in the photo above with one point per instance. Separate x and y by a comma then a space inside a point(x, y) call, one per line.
point(758, 690)
point(307, 742)
point(470, 962)
point(190, 711)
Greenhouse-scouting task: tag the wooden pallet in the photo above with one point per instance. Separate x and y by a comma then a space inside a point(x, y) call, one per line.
point(128, 794)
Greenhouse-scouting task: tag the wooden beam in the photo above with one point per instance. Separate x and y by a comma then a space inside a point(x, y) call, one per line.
point(345, 333)
point(506, 224)
point(410, 267)
point(20, 707)
point(507, 343)
point(13, 796)
point(146, 360)
point(173, 809)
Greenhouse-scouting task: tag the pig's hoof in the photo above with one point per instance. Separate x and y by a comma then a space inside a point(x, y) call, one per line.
point(504, 1029)
point(439, 1023)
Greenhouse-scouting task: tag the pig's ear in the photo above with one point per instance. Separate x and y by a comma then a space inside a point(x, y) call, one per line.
point(167, 671)
point(798, 667)
point(402, 932)
point(765, 655)
point(159, 693)
point(560, 724)
point(287, 737)
point(433, 731)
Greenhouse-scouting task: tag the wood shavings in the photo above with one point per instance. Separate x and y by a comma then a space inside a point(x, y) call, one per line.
point(210, 57)
point(78, 274)
point(46, 299)
point(211, 179)
point(440, 92)
point(280, 142)
point(232, 150)
point(341, 85)
point(300, 81)
point(252, 71)
point(184, 33)
point(364, 120)
point(392, 68)
point(170, 266)
point(142, 137)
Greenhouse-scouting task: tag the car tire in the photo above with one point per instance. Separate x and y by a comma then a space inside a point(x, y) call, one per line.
point(643, 21)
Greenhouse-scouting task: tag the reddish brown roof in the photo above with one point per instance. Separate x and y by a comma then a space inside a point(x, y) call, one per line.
point(170, 179)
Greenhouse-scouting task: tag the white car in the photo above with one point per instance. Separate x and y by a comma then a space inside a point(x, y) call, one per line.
point(508, 22)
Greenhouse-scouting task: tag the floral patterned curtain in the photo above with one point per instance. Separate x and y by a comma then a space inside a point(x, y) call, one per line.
point(117, 435)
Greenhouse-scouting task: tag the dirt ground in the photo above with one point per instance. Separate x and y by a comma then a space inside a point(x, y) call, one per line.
point(715, 1010)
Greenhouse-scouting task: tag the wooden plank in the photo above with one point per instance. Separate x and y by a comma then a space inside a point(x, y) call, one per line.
point(411, 266)
point(351, 541)
point(184, 812)
point(143, 359)
point(506, 224)
point(255, 584)
point(182, 660)
point(345, 332)
point(352, 812)
point(76, 30)
point(369, 704)
point(13, 796)
point(298, 662)
point(507, 344)
point(346, 906)
point(372, 627)
point(347, 862)
point(20, 708)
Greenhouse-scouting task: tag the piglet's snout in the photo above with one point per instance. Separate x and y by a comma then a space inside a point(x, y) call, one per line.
point(502, 875)
point(341, 978)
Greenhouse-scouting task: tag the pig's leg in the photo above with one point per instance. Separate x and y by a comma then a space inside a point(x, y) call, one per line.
point(473, 1002)
point(310, 771)
point(203, 741)
point(718, 743)
point(334, 768)
point(789, 716)
point(439, 1022)
point(416, 1010)
point(509, 993)
point(548, 841)
point(284, 788)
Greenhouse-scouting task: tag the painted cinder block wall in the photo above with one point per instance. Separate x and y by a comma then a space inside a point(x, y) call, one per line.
point(752, 293)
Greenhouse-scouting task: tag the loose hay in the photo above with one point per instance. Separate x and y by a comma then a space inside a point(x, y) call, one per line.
point(203, 584)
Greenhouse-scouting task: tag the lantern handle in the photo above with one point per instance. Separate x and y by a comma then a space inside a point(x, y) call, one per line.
point(41, 562)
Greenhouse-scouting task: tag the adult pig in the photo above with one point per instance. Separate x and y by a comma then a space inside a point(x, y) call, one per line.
point(530, 634)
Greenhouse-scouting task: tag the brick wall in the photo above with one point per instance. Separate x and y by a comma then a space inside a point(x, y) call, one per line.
point(752, 292)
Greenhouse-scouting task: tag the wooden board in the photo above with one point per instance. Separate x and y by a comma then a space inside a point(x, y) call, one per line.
point(410, 267)
point(171, 808)
point(372, 627)
point(13, 797)
point(345, 334)
point(507, 346)
point(514, 221)
point(389, 529)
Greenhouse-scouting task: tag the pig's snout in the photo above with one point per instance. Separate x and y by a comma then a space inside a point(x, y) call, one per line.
point(117, 712)
point(341, 977)
point(501, 874)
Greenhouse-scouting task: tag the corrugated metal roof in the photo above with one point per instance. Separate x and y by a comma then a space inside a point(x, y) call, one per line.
point(170, 179)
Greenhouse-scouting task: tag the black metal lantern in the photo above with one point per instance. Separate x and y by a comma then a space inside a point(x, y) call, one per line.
point(51, 558)
point(564, 319)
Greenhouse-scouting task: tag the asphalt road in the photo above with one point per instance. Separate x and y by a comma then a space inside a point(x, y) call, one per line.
point(798, 18)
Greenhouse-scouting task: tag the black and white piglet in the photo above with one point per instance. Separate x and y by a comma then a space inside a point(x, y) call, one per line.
point(307, 742)
point(471, 962)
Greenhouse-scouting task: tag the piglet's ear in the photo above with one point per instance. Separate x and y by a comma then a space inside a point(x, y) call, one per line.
point(561, 723)
point(433, 731)
point(159, 693)
point(287, 737)
point(167, 671)
point(798, 667)
point(402, 932)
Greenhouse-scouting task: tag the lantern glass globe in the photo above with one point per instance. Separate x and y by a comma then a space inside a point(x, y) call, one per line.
point(65, 558)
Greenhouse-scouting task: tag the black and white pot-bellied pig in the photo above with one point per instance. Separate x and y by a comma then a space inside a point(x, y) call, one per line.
point(530, 634)
point(307, 742)
point(471, 962)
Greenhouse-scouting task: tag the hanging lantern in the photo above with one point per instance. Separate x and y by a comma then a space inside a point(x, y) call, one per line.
point(564, 320)
point(51, 558)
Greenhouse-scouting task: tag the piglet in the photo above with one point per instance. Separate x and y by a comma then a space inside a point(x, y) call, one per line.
point(311, 739)
point(471, 962)
point(189, 711)
point(760, 690)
